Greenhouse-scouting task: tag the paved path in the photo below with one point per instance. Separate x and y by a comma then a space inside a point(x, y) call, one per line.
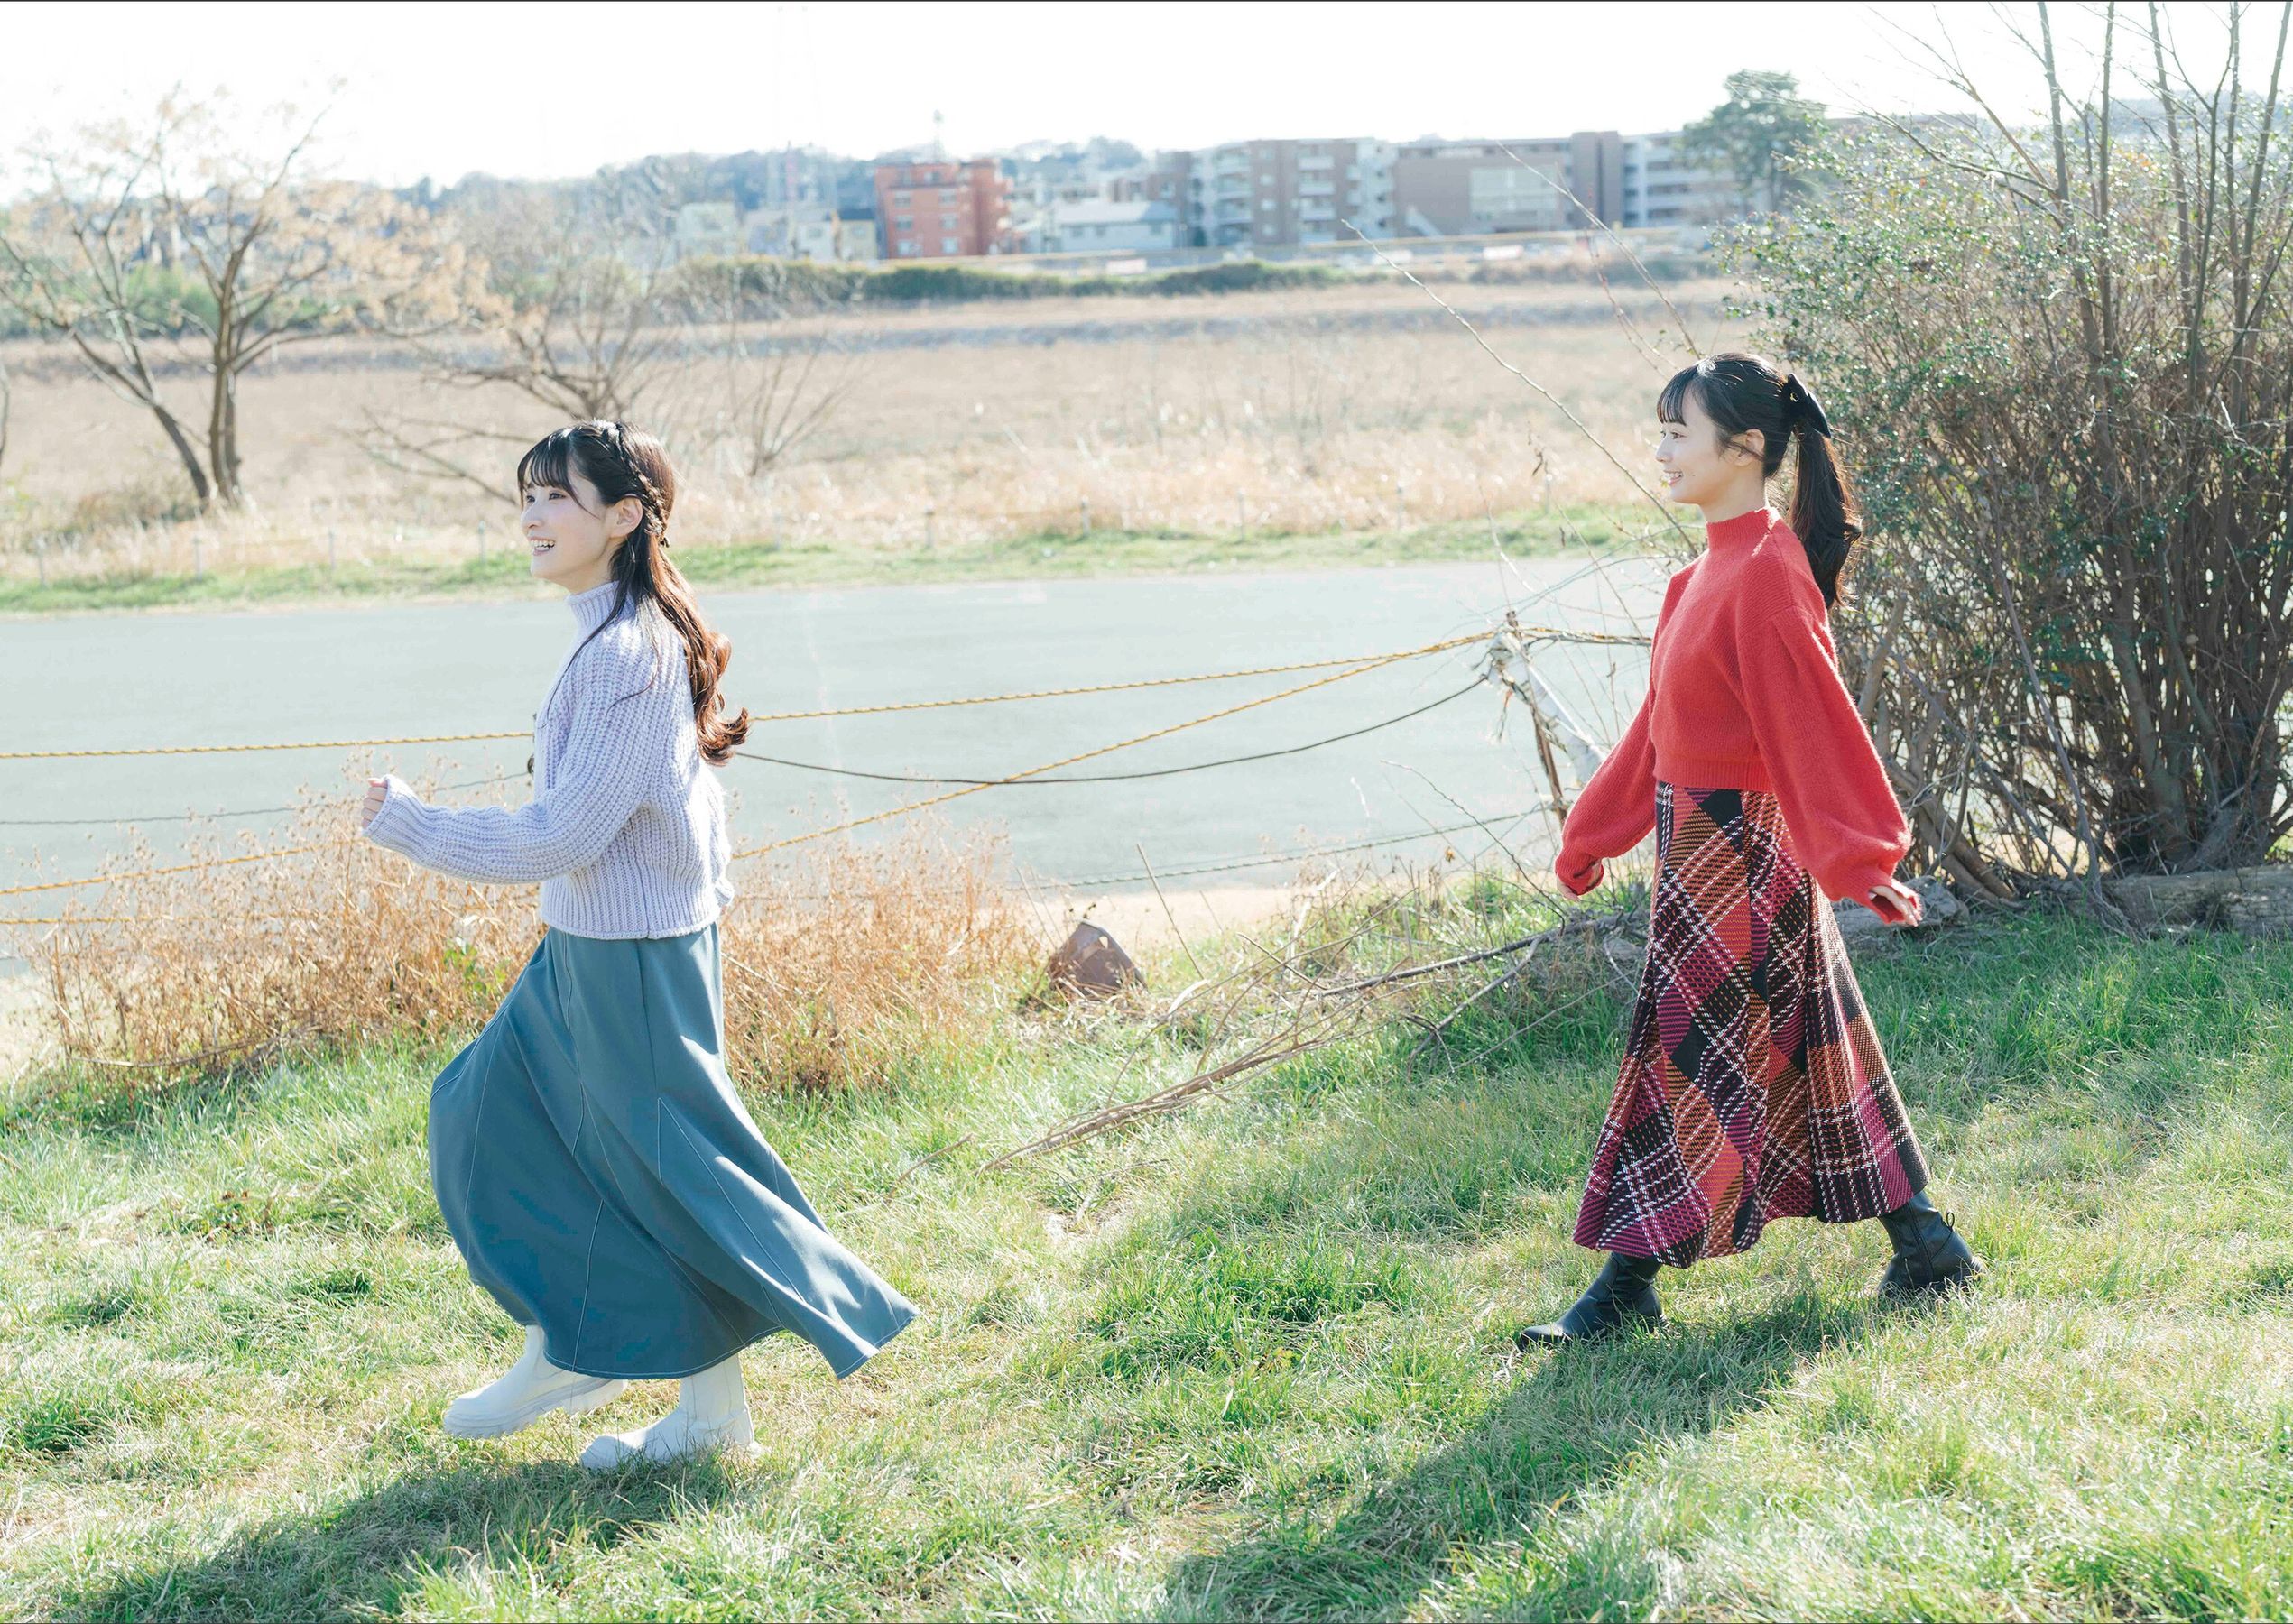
point(447, 668)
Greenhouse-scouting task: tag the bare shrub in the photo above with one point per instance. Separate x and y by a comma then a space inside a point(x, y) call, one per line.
point(348, 944)
point(2064, 359)
point(837, 971)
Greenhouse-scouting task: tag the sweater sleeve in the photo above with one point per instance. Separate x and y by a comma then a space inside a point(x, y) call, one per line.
point(1845, 821)
point(1616, 809)
point(617, 741)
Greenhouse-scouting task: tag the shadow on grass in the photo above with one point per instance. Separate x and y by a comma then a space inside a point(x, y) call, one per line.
point(1568, 1427)
point(372, 1554)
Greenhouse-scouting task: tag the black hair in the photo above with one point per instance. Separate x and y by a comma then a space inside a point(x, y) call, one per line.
point(621, 460)
point(1741, 392)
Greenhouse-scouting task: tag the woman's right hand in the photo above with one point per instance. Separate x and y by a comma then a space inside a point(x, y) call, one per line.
point(1578, 873)
point(377, 791)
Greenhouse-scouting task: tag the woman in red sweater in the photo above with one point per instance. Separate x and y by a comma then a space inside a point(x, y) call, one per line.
point(1753, 1085)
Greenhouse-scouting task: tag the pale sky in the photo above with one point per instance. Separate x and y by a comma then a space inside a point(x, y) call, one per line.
point(536, 90)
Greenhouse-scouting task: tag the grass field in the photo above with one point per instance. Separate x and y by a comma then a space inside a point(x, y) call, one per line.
point(1253, 1361)
point(1356, 421)
point(1045, 555)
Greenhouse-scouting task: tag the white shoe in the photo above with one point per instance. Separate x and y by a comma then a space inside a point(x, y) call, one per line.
point(532, 1388)
point(711, 1416)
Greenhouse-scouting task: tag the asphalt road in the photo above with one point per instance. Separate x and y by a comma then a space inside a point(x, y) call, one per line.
point(98, 681)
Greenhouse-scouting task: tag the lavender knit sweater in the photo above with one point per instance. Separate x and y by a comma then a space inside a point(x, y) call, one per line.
point(626, 831)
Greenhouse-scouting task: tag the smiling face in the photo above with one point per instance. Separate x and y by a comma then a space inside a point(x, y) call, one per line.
point(1697, 468)
point(571, 532)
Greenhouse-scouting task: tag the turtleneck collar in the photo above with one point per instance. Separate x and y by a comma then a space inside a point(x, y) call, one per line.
point(1741, 531)
point(590, 608)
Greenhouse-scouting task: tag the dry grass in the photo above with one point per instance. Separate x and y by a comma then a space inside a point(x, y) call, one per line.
point(865, 961)
point(1297, 413)
point(836, 975)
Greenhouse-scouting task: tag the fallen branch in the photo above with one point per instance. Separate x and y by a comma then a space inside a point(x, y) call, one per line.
point(926, 1156)
point(1166, 1100)
point(1413, 971)
point(250, 1049)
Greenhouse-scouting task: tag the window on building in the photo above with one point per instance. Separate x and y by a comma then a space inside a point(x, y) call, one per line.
point(950, 245)
point(906, 246)
point(905, 223)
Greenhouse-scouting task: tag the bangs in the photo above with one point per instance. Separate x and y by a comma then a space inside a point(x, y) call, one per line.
point(1671, 403)
point(549, 462)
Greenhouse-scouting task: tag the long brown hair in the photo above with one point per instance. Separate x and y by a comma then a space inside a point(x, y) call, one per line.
point(1741, 392)
point(624, 461)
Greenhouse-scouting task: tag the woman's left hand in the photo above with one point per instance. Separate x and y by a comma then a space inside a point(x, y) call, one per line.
point(377, 791)
point(1897, 903)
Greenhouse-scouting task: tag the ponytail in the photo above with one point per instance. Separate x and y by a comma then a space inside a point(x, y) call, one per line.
point(622, 461)
point(1822, 514)
point(1741, 392)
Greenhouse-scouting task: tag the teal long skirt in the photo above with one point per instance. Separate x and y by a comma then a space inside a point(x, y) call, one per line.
point(604, 1182)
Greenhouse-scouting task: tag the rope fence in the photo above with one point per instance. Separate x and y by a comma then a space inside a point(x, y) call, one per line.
point(1531, 634)
point(1032, 777)
point(1160, 733)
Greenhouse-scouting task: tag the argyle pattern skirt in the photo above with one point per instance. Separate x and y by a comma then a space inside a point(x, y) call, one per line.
point(1753, 1085)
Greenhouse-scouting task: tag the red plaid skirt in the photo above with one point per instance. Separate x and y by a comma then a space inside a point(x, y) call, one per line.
point(1753, 1086)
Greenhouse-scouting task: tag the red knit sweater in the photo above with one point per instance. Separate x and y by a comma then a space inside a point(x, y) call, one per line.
point(1745, 693)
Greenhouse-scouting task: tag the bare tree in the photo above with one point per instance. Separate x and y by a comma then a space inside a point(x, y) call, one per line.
point(176, 248)
point(84, 261)
point(568, 324)
point(588, 313)
point(784, 362)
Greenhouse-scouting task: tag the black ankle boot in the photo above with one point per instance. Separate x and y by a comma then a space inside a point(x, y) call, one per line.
point(1930, 1257)
point(1622, 1294)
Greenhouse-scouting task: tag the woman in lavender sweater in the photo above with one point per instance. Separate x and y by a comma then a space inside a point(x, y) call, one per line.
point(590, 1156)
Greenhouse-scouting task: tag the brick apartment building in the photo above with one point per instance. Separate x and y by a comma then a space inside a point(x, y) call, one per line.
point(943, 209)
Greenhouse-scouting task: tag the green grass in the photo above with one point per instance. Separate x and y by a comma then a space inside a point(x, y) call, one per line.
point(1251, 1361)
point(1042, 555)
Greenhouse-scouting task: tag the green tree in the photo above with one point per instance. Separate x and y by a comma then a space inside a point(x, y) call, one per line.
point(1760, 136)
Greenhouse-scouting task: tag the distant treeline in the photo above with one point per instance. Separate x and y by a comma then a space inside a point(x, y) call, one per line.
point(808, 281)
point(168, 302)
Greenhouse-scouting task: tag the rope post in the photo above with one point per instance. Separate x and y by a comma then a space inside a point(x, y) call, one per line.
point(198, 568)
point(1087, 515)
point(330, 552)
point(39, 551)
point(1400, 505)
point(930, 540)
point(480, 544)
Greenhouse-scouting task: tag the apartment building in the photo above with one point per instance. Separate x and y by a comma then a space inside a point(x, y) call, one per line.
point(1272, 194)
point(943, 209)
point(1481, 188)
point(1661, 188)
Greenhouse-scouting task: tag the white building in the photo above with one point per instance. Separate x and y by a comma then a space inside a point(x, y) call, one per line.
point(1662, 188)
point(811, 231)
point(709, 231)
point(1083, 227)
